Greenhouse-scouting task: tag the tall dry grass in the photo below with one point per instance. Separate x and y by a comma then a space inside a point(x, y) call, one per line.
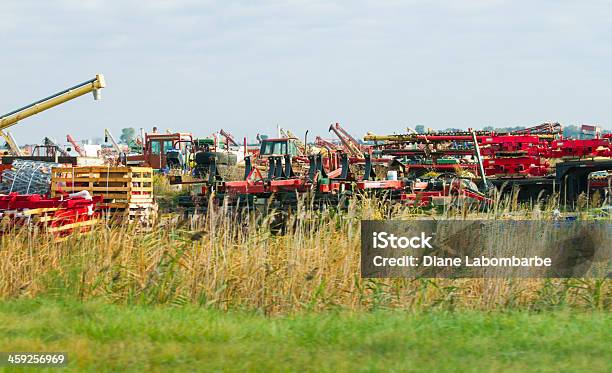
point(237, 262)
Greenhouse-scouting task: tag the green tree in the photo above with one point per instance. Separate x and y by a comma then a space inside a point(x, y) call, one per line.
point(127, 135)
point(571, 131)
point(419, 128)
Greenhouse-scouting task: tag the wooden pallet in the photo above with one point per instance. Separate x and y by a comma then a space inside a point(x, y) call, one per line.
point(117, 185)
point(127, 192)
point(141, 213)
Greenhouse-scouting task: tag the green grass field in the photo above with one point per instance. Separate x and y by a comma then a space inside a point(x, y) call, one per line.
point(103, 337)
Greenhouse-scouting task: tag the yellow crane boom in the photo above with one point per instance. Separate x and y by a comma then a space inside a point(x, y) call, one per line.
point(12, 144)
point(93, 85)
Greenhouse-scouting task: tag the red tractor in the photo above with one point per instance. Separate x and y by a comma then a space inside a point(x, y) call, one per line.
point(159, 147)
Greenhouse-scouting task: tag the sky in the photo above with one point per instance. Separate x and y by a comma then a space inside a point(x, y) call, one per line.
point(248, 66)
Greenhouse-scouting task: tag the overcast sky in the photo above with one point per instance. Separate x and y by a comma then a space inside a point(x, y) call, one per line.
point(248, 65)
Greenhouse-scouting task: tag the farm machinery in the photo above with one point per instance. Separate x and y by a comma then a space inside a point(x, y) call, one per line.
point(282, 188)
point(163, 150)
point(537, 161)
point(415, 169)
point(60, 217)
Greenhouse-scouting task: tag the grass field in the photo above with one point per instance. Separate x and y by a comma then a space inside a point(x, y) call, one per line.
point(228, 294)
point(226, 264)
point(103, 337)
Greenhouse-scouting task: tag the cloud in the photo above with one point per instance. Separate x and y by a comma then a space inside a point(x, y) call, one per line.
point(200, 65)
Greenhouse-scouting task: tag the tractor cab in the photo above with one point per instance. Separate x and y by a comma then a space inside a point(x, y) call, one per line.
point(180, 155)
point(280, 146)
point(163, 148)
point(204, 144)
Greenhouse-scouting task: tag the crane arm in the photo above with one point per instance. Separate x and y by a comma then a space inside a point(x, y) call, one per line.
point(76, 146)
point(109, 136)
point(52, 144)
point(347, 135)
point(349, 143)
point(319, 141)
point(93, 85)
point(228, 136)
point(10, 140)
point(328, 145)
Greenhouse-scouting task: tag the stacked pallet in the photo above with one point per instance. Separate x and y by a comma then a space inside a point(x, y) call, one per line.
point(126, 192)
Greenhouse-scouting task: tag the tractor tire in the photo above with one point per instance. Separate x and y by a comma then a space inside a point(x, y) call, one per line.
point(203, 158)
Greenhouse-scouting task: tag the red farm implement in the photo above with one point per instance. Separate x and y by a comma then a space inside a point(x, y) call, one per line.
point(282, 189)
point(59, 216)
